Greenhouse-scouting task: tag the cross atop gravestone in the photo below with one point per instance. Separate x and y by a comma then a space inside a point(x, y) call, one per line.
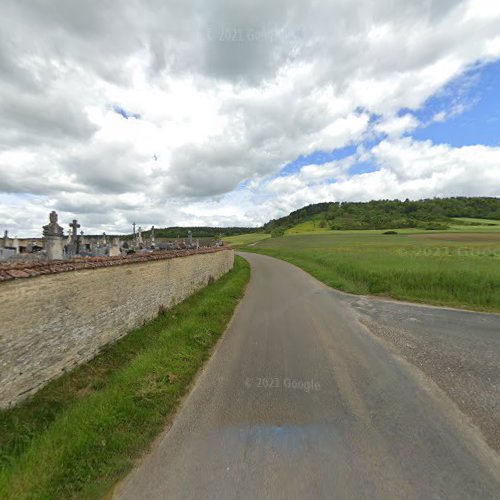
point(74, 229)
point(74, 248)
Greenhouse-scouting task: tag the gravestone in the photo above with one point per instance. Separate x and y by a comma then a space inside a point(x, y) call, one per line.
point(7, 253)
point(15, 245)
point(114, 250)
point(53, 235)
point(190, 239)
point(82, 243)
point(153, 243)
point(74, 250)
point(5, 239)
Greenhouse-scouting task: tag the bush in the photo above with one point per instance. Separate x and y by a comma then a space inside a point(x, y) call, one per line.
point(436, 226)
point(390, 232)
point(276, 233)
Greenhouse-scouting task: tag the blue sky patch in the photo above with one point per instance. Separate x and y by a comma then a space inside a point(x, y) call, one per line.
point(470, 105)
point(362, 168)
point(317, 158)
point(126, 114)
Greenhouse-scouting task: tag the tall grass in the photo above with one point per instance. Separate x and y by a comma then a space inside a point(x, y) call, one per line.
point(460, 274)
point(81, 433)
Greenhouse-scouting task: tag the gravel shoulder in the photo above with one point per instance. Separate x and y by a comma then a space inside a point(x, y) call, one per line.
point(458, 350)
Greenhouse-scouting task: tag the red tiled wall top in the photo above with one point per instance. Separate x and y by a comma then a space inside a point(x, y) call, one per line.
point(15, 270)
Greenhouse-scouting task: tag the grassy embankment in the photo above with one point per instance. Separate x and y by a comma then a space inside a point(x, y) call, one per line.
point(80, 434)
point(446, 268)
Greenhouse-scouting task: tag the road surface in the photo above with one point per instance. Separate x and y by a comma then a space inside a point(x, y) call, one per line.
point(302, 400)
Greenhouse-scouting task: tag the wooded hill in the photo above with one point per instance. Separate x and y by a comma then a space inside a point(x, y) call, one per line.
point(433, 213)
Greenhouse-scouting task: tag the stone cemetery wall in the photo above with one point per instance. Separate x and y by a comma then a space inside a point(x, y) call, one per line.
point(55, 316)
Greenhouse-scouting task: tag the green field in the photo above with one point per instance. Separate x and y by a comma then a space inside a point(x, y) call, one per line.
point(443, 268)
point(84, 431)
point(245, 239)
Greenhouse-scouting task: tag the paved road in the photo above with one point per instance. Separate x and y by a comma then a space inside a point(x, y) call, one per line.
point(300, 400)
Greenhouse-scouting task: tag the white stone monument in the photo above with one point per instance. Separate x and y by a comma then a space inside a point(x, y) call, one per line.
point(53, 235)
point(114, 249)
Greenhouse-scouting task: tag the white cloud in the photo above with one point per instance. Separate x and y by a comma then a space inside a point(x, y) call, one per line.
point(395, 126)
point(227, 94)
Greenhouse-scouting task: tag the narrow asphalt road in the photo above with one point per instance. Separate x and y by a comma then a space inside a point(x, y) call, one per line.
point(301, 400)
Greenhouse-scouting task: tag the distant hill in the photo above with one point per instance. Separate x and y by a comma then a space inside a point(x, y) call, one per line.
point(433, 213)
point(198, 232)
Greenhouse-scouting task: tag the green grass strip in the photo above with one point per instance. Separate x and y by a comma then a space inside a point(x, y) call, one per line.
point(81, 433)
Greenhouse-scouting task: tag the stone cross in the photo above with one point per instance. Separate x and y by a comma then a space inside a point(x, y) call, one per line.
point(74, 246)
point(74, 227)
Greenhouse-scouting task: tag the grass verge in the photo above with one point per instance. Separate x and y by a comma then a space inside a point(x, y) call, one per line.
point(81, 433)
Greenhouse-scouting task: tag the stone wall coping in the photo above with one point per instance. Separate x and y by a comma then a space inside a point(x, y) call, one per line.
point(19, 270)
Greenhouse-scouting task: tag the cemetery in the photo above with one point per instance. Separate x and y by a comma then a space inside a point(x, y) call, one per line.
point(54, 245)
point(60, 308)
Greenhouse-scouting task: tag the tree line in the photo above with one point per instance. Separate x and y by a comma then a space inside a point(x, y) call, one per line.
point(198, 232)
point(433, 213)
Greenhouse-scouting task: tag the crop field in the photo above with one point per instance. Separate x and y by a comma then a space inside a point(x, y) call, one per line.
point(245, 239)
point(446, 268)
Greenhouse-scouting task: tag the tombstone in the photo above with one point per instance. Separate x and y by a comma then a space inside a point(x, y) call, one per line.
point(104, 241)
point(152, 237)
point(139, 237)
point(73, 242)
point(5, 239)
point(53, 235)
point(7, 253)
point(190, 239)
point(82, 244)
point(114, 250)
point(15, 245)
point(197, 244)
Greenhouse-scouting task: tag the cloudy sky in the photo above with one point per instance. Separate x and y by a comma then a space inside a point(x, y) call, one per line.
point(194, 112)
